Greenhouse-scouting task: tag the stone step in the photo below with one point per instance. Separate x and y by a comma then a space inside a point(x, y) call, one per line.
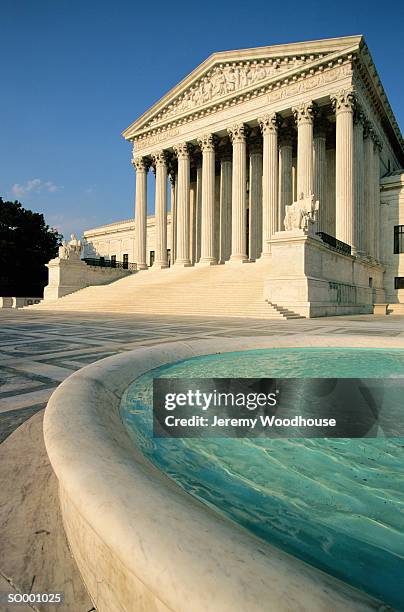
point(285, 312)
point(201, 291)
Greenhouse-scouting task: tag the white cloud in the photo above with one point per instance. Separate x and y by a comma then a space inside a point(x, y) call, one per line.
point(35, 185)
point(90, 190)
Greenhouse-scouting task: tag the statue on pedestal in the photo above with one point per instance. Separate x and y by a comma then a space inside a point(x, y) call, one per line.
point(71, 249)
point(301, 214)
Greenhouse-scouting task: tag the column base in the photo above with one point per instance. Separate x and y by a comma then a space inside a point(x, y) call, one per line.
point(238, 259)
point(160, 265)
point(182, 263)
point(141, 266)
point(207, 262)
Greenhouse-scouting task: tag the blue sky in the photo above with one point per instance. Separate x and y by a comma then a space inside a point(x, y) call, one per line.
point(74, 74)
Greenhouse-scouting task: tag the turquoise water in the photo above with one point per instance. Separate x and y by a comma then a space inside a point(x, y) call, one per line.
point(335, 503)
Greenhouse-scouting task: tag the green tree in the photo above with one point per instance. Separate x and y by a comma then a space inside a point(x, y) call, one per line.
point(26, 245)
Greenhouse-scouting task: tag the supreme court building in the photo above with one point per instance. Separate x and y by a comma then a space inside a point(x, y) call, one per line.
point(287, 157)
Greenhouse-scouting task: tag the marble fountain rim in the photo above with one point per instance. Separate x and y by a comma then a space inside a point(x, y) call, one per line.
point(184, 554)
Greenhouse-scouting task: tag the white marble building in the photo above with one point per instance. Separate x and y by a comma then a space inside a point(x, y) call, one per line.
point(250, 132)
point(118, 240)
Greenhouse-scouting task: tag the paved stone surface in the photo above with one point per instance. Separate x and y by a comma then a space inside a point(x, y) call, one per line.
point(34, 555)
point(37, 351)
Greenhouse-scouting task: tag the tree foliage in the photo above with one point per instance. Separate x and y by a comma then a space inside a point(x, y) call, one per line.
point(26, 245)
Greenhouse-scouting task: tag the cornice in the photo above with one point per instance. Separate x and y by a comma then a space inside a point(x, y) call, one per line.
point(106, 230)
point(365, 68)
point(274, 83)
point(307, 50)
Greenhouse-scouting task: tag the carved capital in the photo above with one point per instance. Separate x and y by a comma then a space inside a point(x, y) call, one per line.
point(141, 164)
point(182, 150)
point(238, 133)
point(269, 123)
point(207, 142)
point(344, 101)
point(304, 112)
point(160, 158)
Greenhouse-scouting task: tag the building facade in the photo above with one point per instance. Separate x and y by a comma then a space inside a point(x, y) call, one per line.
point(260, 146)
point(117, 240)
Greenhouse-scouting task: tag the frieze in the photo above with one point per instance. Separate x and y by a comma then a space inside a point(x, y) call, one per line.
point(278, 91)
point(309, 83)
point(156, 138)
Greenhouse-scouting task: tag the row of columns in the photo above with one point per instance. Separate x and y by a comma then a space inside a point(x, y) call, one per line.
point(357, 196)
point(357, 177)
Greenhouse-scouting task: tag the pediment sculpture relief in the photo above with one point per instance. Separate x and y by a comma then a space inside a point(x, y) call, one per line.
point(224, 80)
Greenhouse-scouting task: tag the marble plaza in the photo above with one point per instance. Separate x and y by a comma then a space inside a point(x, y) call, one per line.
point(288, 158)
point(38, 350)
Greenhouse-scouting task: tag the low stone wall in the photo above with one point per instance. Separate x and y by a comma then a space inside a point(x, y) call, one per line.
point(141, 543)
point(70, 275)
point(313, 280)
point(18, 302)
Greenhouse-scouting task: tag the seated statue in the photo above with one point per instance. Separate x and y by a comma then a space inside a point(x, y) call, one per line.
point(301, 213)
point(71, 249)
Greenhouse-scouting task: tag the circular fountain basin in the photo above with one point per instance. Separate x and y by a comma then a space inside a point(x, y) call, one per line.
point(141, 541)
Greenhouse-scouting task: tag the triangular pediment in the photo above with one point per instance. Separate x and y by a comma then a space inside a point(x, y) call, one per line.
point(230, 73)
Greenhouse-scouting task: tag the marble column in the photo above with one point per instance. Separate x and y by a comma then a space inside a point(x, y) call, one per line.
point(182, 152)
point(237, 135)
point(368, 192)
point(192, 219)
point(344, 106)
point(304, 117)
point(160, 209)
point(285, 173)
point(141, 166)
point(225, 206)
point(294, 179)
point(320, 172)
point(208, 251)
point(198, 214)
point(376, 198)
point(359, 181)
point(269, 126)
point(173, 215)
point(255, 200)
point(330, 193)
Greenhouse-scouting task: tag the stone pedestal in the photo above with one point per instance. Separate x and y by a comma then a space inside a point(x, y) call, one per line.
point(65, 276)
point(69, 275)
point(311, 279)
point(380, 309)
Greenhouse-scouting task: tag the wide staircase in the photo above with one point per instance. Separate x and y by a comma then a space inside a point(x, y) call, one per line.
point(226, 290)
